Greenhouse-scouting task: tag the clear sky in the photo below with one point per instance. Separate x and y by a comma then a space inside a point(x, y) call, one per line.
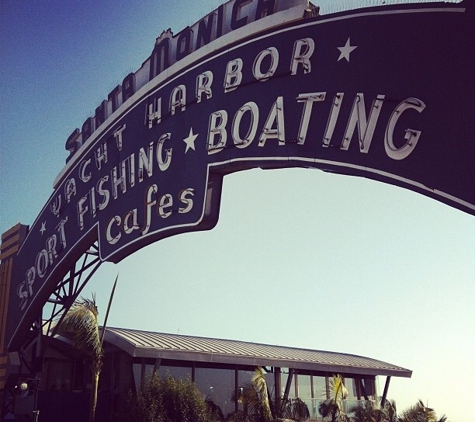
point(299, 257)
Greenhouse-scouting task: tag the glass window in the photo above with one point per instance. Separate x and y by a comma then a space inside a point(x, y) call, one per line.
point(179, 372)
point(244, 378)
point(246, 390)
point(270, 381)
point(350, 385)
point(319, 388)
point(284, 377)
point(369, 387)
point(244, 382)
point(137, 369)
point(217, 385)
point(304, 393)
point(304, 386)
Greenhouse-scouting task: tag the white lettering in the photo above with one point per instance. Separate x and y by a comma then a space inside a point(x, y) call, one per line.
point(101, 155)
point(82, 171)
point(203, 86)
point(186, 200)
point(103, 192)
point(178, 99)
point(56, 205)
point(252, 108)
point(303, 50)
point(131, 222)
point(233, 75)
point(118, 137)
point(62, 232)
point(118, 178)
point(41, 264)
point(274, 62)
point(276, 116)
point(153, 113)
point(332, 119)
point(166, 201)
point(153, 189)
point(51, 248)
point(412, 136)
point(82, 209)
point(70, 189)
point(164, 163)
point(92, 202)
point(365, 128)
point(145, 162)
point(113, 239)
point(307, 100)
point(217, 128)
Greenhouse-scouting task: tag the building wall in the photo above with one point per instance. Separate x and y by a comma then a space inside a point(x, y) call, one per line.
point(223, 384)
point(66, 384)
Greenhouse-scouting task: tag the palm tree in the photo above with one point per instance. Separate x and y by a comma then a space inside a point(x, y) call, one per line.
point(254, 398)
point(390, 411)
point(420, 413)
point(294, 409)
point(80, 324)
point(333, 406)
point(368, 412)
point(259, 382)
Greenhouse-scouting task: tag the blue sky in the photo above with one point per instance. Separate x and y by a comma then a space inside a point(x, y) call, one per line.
point(299, 257)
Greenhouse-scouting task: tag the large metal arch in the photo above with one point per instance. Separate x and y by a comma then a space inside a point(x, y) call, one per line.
point(44, 327)
point(69, 288)
point(68, 278)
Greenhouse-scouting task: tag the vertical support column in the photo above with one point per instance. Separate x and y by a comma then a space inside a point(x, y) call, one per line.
point(385, 392)
point(278, 384)
point(142, 372)
point(156, 368)
point(236, 389)
point(288, 384)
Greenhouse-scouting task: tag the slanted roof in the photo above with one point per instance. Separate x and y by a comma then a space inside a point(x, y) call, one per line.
point(146, 344)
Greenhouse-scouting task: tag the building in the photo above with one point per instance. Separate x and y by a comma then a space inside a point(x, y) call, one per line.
point(220, 369)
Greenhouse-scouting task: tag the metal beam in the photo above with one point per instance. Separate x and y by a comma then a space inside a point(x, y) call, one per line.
point(385, 391)
point(288, 384)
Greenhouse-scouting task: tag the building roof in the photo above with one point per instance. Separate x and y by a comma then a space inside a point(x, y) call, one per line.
point(146, 344)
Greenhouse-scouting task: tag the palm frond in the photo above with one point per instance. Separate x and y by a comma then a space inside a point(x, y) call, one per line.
point(295, 409)
point(259, 382)
point(80, 324)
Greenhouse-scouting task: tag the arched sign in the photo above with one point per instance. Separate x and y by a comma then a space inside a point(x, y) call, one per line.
point(385, 93)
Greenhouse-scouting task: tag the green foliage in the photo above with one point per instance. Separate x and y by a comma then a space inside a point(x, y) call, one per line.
point(239, 416)
point(420, 413)
point(254, 398)
point(294, 409)
point(260, 385)
point(258, 406)
point(168, 400)
point(80, 324)
point(333, 407)
point(215, 410)
point(416, 413)
point(367, 413)
point(255, 408)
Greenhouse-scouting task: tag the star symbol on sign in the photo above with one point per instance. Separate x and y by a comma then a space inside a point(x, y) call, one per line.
point(346, 50)
point(190, 141)
point(43, 228)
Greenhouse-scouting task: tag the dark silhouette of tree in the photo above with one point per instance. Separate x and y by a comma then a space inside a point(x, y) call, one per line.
point(81, 326)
